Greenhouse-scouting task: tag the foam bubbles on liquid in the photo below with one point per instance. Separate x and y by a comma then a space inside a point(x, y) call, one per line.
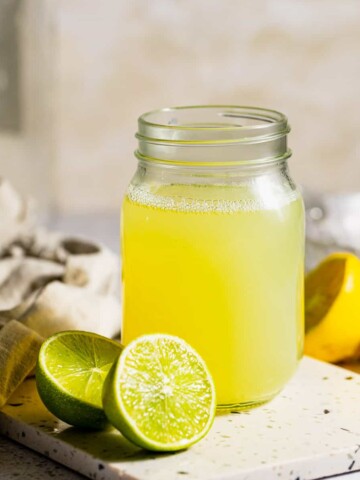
point(143, 195)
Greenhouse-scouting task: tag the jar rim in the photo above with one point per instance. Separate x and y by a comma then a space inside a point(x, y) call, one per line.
point(212, 124)
point(214, 135)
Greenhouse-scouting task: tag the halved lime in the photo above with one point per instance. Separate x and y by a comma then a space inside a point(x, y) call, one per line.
point(70, 373)
point(160, 394)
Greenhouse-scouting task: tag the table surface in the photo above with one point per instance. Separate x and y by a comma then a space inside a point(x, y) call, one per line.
point(310, 431)
point(17, 461)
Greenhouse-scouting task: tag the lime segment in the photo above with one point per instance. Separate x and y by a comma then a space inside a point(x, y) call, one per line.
point(160, 394)
point(71, 370)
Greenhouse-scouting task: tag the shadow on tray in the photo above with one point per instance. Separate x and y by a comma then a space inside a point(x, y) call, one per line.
point(108, 445)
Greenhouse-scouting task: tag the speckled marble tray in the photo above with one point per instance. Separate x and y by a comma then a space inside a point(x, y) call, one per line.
point(310, 431)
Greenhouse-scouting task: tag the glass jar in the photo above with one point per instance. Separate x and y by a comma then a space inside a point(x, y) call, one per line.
point(213, 245)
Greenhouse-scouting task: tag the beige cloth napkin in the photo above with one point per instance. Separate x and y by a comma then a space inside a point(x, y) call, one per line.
point(48, 283)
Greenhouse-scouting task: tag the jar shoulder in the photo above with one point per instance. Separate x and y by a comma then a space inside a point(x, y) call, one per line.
point(268, 187)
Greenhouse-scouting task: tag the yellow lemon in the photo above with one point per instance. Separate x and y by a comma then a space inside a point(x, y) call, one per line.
point(332, 308)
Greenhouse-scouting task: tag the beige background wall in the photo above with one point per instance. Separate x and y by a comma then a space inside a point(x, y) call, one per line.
point(114, 59)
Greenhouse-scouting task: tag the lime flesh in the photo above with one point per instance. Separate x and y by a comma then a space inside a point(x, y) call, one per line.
point(160, 394)
point(71, 370)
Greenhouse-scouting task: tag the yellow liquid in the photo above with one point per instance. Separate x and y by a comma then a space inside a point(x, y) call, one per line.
point(211, 265)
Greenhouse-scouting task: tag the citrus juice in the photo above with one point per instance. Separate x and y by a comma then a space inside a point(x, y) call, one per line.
point(223, 271)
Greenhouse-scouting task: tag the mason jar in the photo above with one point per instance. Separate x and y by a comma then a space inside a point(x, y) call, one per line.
point(213, 245)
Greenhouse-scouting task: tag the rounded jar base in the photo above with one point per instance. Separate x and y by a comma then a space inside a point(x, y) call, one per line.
point(238, 407)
